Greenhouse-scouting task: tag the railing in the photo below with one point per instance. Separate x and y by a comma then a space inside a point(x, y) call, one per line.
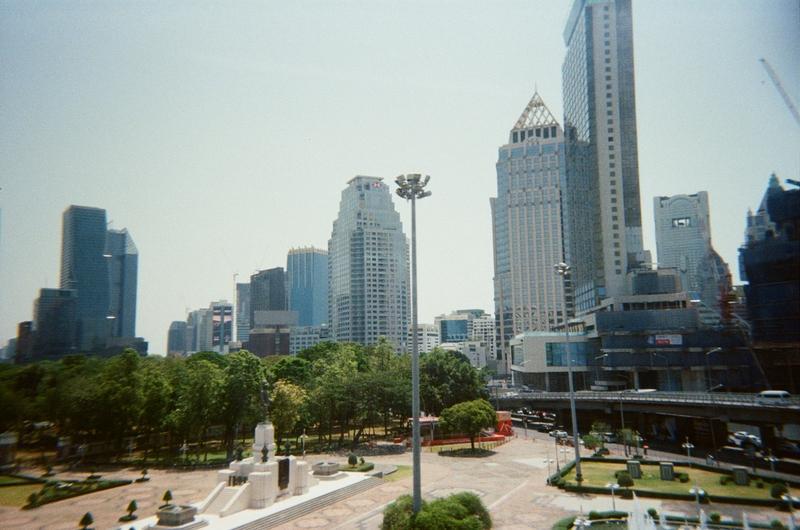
point(699, 398)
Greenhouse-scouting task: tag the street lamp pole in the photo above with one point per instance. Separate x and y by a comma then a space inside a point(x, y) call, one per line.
point(562, 269)
point(708, 367)
point(411, 187)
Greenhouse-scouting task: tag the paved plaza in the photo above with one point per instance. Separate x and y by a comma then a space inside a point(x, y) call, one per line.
point(511, 483)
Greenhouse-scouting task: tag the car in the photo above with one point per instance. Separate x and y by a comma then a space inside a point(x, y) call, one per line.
point(744, 438)
point(787, 448)
point(558, 434)
point(777, 397)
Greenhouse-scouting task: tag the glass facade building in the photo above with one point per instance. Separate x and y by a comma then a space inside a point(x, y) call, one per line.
point(267, 292)
point(527, 227)
point(307, 278)
point(123, 264)
point(603, 224)
point(85, 269)
point(368, 266)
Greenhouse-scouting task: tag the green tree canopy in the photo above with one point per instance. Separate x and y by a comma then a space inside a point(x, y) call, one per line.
point(447, 378)
point(469, 418)
point(286, 407)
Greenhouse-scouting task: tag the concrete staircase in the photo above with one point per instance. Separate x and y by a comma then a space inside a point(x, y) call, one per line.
point(284, 516)
point(221, 500)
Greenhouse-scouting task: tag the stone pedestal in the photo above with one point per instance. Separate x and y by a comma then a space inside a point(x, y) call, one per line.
point(302, 478)
point(667, 471)
point(264, 436)
point(740, 476)
point(634, 469)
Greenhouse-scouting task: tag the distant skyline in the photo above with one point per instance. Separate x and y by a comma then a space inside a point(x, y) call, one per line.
point(221, 136)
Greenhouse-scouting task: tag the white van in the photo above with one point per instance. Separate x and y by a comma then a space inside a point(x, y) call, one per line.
point(774, 396)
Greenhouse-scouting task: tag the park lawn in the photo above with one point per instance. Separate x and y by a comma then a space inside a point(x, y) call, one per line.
point(401, 473)
point(599, 474)
point(6, 479)
point(17, 495)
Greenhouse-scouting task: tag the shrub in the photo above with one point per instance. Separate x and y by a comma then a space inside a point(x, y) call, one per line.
point(724, 480)
point(778, 490)
point(397, 516)
point(683, 477)
point(624, 480)
point(594, 515)
point(352, 460)
point(652, 512)
point(777, 525)
point(460, 511)
point(86, 520)
point(760, 485)
point(715, 517)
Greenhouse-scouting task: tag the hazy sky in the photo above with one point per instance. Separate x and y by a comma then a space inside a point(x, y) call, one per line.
point(221, 134)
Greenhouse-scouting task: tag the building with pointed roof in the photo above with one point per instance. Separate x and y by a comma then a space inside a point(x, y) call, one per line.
point(527, 228)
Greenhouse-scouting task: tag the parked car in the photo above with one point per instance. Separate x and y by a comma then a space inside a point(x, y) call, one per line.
point(556, 433)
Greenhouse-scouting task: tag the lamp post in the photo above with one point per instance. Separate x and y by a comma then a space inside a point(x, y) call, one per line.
point(562, 269)
point(708, 366)
point(613, 486)
point(698, 492)
point(688, 446)
point(771, 459)
point(411, 187)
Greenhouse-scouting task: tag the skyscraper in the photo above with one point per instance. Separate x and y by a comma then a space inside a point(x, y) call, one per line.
point(242, 312)
point(307, 278)
point(267, 292)
point(683, 241)
point(123, 272)
point(603, 225)
point(54, 315)
point(84, 268)
point(177, 338)
point(526, 217)
point(368, 267)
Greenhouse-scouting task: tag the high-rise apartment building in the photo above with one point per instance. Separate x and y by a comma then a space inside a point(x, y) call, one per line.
point(368, 267)
point(267, 292)
point(683, 242)
point(427, 337)
point(84, 268)
point(527, 227)
point(603, 225)
point(123, 265)
point(307, 279)
point(242, 312)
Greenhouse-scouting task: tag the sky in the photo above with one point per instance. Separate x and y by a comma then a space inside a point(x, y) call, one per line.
point(221, 134)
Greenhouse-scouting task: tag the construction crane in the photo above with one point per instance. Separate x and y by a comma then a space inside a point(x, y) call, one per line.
point(777, 82)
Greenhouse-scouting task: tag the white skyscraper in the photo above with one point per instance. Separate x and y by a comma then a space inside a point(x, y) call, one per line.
point(527, 226)
point(368, 267)
point(683, 241)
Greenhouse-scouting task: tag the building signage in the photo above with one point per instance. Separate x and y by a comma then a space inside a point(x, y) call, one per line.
point(666, 340)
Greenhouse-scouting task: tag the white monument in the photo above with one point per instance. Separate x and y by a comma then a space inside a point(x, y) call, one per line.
point(258, 481)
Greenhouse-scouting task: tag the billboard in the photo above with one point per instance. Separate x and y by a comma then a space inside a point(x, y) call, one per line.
point(665, 340)
point(221, 324)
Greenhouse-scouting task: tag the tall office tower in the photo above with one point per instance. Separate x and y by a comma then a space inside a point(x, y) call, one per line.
point(84, 268)
point(221, 325)
point(683, 242)
point(368, 267)
point(526, 217)
point(267, 292)
point(199, 330)
point(123, 272)
point(177, 338)
point(242, 312)
point(307, 278)
point(54, 314)
point(603, 225)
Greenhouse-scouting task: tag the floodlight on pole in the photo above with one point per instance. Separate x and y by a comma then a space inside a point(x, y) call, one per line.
point(563, 270)
point(411, 187)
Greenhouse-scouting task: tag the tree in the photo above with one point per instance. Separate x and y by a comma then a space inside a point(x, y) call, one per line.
point(469, 418)
point(197, 405)
point(86, 520)
point(167, 498)
point(286, 406)
point(241, 390)
point(293, 369)
point(599, 428)
point(132, 507)
point(447, 378)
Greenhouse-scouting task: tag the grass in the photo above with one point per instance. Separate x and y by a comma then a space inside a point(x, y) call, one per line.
point(6, 479)
point(401, 473)
point(17, 495)
point(599, 474)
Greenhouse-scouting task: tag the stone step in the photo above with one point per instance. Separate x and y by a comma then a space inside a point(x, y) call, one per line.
point(284, 516)
point(221, 500)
